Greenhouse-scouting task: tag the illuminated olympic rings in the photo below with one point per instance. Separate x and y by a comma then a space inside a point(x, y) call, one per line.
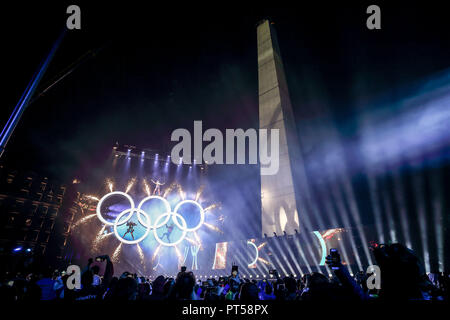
point(144, 218)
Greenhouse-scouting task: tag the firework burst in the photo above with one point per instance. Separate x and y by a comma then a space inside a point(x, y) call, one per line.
point(169, 189)
point(199, 193)
point(110, 185)
point(130, 185)
point(147, 188)
point(211, 207)
point(141, 254)
point(214, 228)
point(116, 254)
point(84, 219)
point(156, 252)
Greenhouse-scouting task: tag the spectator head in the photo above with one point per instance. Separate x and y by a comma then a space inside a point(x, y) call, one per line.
point(249, 292)
point(47, 273)
point(316, 280)
point(112, 285)
point(95, 269)
point(184, 285)
point(319, 288)
point(158, 284)
point(402, 273)
point(126, 289)
point(167, 286)
point(234, 286)
point(290, 284)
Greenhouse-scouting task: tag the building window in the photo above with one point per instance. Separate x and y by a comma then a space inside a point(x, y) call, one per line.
point(19, 205)
point(44, 237)
point(32, 236)
point(53, 212)
point(38, 196)
point(11, 220)
point(66, 227)
point(28, 182)
point(44, 210)
point(10, 178)
point(42, 187)
point(49, 225)
point(20, 235)
point(38, 223)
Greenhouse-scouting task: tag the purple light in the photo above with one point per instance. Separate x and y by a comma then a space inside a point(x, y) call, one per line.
point(17, 249)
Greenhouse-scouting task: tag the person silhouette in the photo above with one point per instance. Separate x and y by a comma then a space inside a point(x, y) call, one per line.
point(158, 185)
point(130, 229)
point(168, 232)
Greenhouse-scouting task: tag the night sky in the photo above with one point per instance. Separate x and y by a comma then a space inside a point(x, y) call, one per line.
point(159, 69)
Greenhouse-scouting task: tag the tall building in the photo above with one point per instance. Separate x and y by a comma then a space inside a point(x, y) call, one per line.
point(36, 216)
point(281, 202)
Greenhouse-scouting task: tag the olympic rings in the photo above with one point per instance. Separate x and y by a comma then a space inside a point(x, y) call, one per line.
point(159, 222)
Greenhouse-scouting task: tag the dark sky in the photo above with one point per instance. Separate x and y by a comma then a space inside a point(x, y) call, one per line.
point(161, 68)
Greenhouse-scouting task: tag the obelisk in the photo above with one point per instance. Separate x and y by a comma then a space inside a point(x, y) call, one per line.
point(280, 200)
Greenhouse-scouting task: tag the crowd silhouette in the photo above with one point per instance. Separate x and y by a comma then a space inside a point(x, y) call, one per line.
point(402, 278)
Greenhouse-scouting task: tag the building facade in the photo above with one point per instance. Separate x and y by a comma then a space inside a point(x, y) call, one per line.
point(36, 216)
